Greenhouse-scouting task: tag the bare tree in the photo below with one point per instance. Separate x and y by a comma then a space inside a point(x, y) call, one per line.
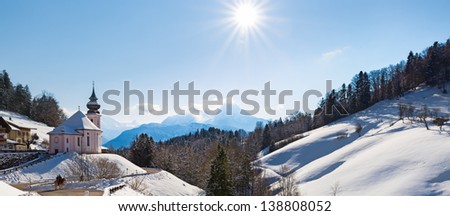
point(335, 189)
point(259, 184)
point(287, 183)
point(358, 129)
point(137, 183)
point(80, 168)
point(105, 169)
point(402, 111)
point(440, 122)
point(85, 169)
point(410, 112)
point(423, 115)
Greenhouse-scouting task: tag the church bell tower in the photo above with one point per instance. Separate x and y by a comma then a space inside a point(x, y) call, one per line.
point(93, 114)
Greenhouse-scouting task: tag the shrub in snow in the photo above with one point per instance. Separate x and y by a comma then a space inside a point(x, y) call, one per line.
point(358, 129)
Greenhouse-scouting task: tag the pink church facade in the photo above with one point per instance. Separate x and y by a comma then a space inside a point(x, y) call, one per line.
point(80, 133)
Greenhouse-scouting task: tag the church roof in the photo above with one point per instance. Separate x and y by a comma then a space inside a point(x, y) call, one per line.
point(93, 96)
point(77, 121)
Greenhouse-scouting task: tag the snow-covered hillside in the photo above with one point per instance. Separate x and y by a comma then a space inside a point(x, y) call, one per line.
point(41, 128)
point(159, 183)
point(7, 190)
point(163, 184)
point(390, 157)
point(59, 165)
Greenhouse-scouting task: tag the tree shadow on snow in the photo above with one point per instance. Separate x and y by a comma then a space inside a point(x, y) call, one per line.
point(325, 171)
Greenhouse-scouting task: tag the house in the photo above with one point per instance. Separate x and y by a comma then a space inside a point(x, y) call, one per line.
point(80, 133)
point(13, 136)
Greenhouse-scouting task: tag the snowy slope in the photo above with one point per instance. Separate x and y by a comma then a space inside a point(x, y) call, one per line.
point(7, 190)
point(59, 165)
point(390, 157)
point(41, 128)
point(164, 184)
point(160, 183)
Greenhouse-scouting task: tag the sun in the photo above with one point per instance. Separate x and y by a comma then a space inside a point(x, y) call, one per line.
point(247, 20)
point(246, 15)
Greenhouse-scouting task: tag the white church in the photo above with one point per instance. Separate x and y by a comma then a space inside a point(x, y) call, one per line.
point(80, 133)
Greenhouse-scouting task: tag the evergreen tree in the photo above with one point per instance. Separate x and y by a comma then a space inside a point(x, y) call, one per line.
point(396, 87)
point(267, 138)
point(6, 91)
point(433, 65)
point(242, 171)
point(410, 72)
point(446, 63)
point(351, 98)
point(365, 94)
point(362, 91)
point(331, 111)
point(389, 91)
point(319, 115)
point(219, 182)
point(383, 86)
point(21, 100)
point(141, 151)
point(46, 109)
point(342, 96)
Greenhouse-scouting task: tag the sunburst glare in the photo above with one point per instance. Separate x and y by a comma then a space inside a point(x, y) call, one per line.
point(246, 15)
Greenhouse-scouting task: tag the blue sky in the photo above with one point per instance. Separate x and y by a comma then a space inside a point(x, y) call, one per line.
point(62, 46)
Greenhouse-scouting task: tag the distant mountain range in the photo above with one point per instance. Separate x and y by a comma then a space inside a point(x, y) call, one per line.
point(112, 128)
point(174, 126)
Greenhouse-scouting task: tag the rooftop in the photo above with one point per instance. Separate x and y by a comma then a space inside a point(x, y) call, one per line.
point(77, 121)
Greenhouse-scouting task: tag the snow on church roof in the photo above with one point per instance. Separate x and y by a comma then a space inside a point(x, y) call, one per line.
point(77, 121)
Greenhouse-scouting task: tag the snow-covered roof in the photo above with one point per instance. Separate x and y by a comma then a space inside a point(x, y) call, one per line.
point(12, 127)
point(12, 141)
point(15, 125)
point(78, 121)
point(41, 128)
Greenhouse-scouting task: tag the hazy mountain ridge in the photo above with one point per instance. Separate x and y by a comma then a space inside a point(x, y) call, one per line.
point(179, 125)
point(156, 130)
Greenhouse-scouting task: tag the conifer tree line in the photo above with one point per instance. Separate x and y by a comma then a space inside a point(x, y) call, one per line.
point(17, 98)
point(431, 67)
